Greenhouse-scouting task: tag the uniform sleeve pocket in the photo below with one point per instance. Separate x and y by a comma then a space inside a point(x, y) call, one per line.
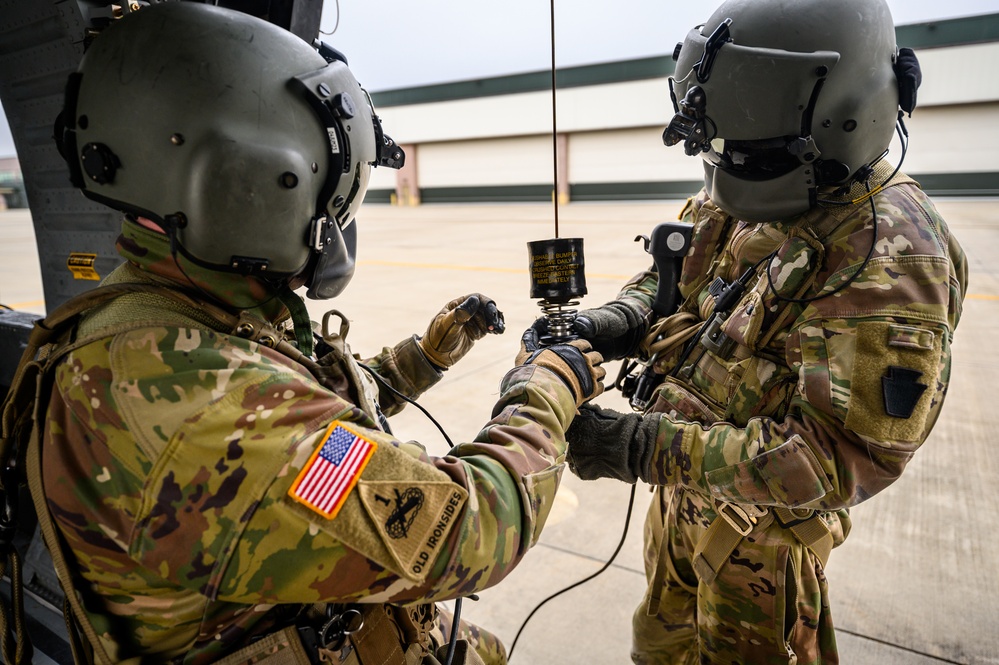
point(539, 496)
point(893, 380)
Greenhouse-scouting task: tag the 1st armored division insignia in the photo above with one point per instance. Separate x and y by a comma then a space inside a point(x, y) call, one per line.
point(413, 518)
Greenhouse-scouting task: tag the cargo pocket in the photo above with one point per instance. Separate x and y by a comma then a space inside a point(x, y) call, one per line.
point(788, 475)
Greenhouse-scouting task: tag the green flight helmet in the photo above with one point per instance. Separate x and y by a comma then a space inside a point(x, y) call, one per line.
point(782, 97)
point(249, 147)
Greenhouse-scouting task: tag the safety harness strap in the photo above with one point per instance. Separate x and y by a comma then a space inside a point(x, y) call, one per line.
point(735, 522)
point(281, 648)
point(54, 544)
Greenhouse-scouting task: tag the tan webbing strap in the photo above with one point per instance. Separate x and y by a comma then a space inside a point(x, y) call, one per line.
point(15, 648)
point(727, 531)
point(720, 540)
point(378, 641)
point(659, 576)
point(55, 547)
point(281, 648)
point(811, 530)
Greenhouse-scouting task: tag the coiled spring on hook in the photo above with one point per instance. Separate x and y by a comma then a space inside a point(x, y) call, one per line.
point(560, 318)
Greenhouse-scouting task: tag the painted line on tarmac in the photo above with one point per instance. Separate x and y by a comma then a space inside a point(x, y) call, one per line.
point(517, 271)
point(445, 266)
point(29, 303)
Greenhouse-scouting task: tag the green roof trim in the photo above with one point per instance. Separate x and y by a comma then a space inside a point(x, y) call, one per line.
point(568, 77)
point(949, 32)
point(968, 184)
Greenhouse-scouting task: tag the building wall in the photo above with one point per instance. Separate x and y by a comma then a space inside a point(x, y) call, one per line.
point(11, 184)
point(492, 139)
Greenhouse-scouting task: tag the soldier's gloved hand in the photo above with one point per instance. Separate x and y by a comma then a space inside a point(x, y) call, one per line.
point(614, 329)
point(575, 362)
point(458, 326)
point(607, 444)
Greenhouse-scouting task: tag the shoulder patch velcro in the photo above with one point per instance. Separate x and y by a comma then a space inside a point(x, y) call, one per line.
point(413, 518)
point(334, 468)
point(902, 391)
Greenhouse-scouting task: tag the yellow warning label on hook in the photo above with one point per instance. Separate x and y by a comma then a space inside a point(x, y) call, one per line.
point(82, 266)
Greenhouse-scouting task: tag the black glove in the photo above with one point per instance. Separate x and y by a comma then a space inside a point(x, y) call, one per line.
point(607, 444)
point(615, 329)
point(575, 362)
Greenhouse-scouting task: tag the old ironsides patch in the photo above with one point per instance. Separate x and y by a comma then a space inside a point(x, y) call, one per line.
point(413, 519)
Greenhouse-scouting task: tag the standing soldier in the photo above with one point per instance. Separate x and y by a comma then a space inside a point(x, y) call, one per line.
point(810, 354)
point(212, 490)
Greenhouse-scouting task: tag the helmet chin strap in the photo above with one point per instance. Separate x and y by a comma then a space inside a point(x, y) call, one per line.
point(177, 251)
point(299, 317)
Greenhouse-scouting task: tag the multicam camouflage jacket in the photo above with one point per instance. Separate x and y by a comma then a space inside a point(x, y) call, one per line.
point(831, 369)
point(183, 466)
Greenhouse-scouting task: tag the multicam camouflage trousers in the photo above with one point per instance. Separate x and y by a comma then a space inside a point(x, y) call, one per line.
point(485, 644)
point(768, 604)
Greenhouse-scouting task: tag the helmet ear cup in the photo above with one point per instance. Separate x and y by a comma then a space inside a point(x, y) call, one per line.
point(909, 76)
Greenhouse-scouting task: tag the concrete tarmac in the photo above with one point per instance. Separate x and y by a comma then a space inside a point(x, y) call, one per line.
point(917, 581)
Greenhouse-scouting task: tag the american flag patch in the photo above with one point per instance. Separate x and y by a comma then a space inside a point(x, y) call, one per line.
point(332, 471)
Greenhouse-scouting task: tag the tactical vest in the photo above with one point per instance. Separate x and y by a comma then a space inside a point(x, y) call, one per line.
point(351, 635)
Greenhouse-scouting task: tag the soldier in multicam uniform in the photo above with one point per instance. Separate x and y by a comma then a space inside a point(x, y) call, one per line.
point(223, 493)
point(810, 354)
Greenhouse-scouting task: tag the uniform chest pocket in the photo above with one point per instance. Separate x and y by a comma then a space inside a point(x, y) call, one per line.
point(678, 400)
point(785, 277)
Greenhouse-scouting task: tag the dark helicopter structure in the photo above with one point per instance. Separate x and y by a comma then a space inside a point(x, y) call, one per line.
point(41, 43)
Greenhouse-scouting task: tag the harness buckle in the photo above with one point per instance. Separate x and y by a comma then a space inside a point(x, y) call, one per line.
point(741, 517)
point(791, 517)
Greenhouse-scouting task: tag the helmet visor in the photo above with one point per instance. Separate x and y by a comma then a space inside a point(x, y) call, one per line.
point(753, 93)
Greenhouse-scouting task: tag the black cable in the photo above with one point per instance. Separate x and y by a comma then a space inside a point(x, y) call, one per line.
point(457, 601)
point(624, 536)
point(454, 631)
point(853, 277)
point(395, 392)
point(554, 122)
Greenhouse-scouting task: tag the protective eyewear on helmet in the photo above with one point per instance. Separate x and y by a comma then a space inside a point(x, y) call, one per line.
point(763, 159)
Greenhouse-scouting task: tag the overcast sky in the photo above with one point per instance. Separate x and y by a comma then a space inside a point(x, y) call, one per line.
point(401, 43)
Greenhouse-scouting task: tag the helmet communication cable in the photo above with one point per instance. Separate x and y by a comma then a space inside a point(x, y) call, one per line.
point(453, 639)
point(903, 136)
point(337, 24)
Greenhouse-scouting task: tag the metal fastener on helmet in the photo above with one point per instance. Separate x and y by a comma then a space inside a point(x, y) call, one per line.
point(248, 146)
point(781, 97)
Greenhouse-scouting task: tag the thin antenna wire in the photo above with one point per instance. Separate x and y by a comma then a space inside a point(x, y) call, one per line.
point(554, 125)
